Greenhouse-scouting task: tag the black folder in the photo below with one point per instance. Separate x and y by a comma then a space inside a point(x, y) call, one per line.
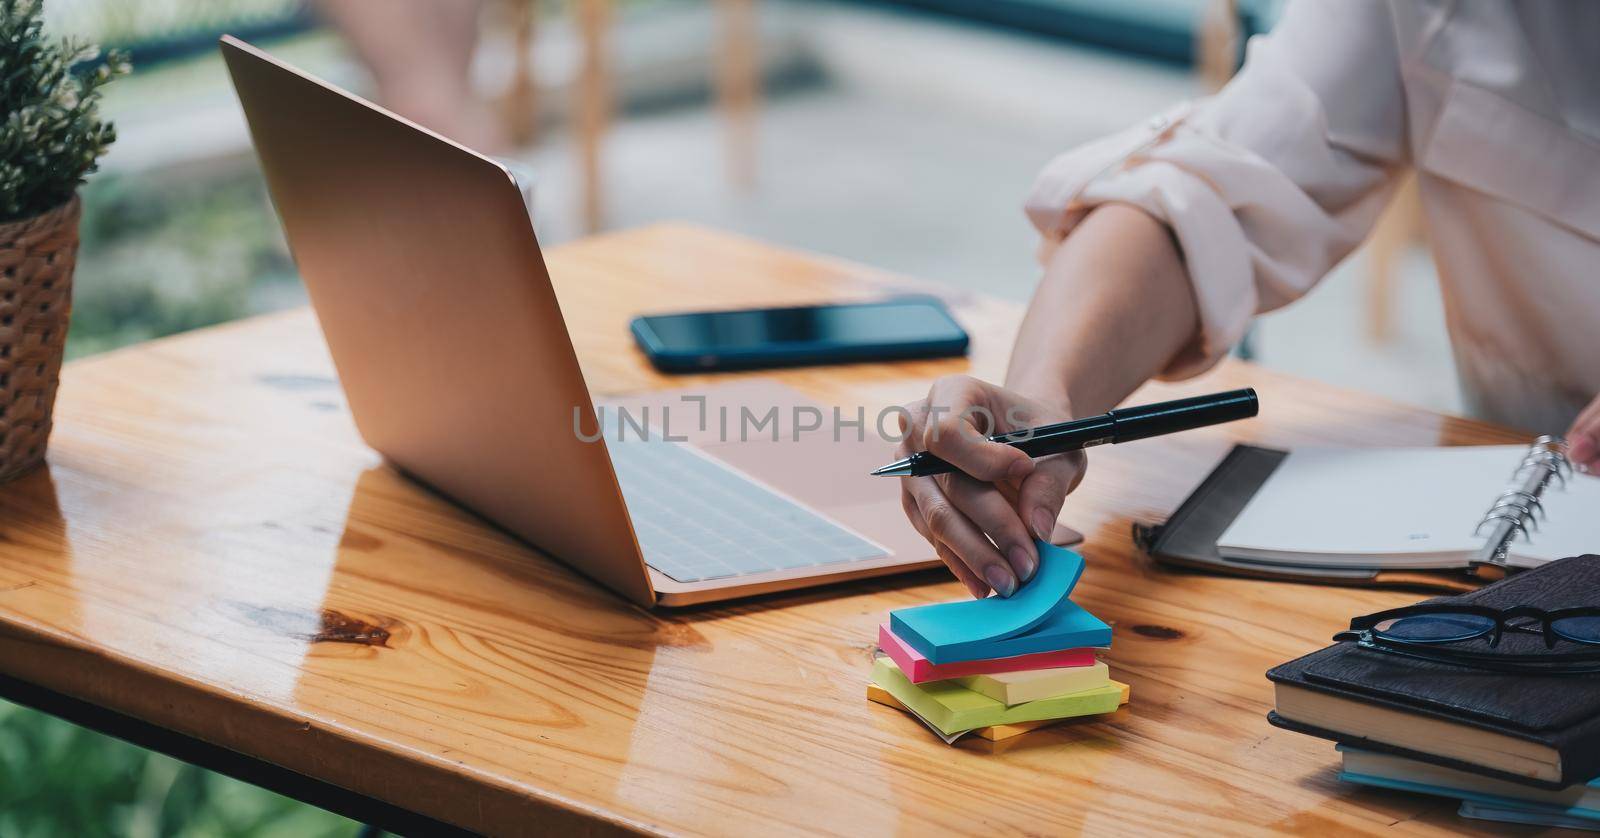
point(1188, 539)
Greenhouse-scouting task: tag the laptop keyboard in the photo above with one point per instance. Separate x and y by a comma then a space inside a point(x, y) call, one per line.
point(698, 519)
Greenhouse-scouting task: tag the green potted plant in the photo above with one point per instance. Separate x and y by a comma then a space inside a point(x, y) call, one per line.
point(50, 139)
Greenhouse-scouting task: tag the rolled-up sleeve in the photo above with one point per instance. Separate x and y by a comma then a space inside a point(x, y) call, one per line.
point(1268, 184)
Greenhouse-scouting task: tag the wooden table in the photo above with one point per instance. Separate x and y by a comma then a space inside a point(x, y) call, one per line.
point(215, 565)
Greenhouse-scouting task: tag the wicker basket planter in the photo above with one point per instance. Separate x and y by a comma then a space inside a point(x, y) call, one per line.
point(36, 260)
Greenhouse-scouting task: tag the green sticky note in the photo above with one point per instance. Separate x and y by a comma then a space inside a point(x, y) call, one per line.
point(951, 707)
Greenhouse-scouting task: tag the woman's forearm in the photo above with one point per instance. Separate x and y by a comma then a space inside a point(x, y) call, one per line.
point(1115, 306)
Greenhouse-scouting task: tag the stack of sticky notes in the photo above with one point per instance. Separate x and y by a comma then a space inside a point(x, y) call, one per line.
point(999, 666)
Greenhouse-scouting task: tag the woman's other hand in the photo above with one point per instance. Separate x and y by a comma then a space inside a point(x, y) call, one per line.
point(1583, 438)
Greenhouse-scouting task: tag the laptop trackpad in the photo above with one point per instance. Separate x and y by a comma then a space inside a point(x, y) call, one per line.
point(807, 464)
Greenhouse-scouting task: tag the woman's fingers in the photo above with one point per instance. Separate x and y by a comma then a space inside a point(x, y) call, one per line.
point(909, 503)
point(1584, 449)
point(956, 430)
point(975, 586)
point(911, 418)
point(1583, 438)
point(996, 517)
point(983, 518)
point(1044, 491)
point(949, 527)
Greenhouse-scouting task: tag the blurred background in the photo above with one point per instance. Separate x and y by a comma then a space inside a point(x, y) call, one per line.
point(898, 133)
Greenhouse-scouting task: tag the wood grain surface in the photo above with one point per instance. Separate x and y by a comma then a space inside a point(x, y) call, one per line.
point(213, 549)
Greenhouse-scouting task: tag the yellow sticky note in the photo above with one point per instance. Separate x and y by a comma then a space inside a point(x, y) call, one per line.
point(1010, 688)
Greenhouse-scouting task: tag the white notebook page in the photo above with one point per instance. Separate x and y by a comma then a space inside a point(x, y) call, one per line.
point(1394, 507)
point(1571, 526)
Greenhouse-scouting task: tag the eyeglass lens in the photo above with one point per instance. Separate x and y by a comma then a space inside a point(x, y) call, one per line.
point(1580, 629)
point(1448, 628)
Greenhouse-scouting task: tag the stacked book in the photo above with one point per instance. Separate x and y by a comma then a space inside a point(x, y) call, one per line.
point(1512, 746)
point(998, 667)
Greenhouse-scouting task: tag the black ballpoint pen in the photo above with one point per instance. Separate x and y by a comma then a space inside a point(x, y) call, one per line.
point(1123, 424)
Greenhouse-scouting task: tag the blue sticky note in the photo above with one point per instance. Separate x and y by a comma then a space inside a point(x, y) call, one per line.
point(1069, 627)
point(1037, 618)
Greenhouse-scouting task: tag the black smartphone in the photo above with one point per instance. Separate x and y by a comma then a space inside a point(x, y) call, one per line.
point(905, 327)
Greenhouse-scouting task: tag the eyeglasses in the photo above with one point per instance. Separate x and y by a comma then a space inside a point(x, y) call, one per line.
point(1428, 631)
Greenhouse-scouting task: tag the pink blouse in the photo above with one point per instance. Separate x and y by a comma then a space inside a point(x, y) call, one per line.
point(1268, 184)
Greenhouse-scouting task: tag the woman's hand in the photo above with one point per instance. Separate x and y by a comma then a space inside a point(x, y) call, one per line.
point(983, 519)
point(1113, 309)
point(1583, 438)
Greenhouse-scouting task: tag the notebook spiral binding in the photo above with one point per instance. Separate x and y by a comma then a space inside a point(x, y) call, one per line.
point(1518, 509)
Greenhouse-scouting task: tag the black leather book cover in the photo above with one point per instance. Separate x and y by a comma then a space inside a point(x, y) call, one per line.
point(1561, 711)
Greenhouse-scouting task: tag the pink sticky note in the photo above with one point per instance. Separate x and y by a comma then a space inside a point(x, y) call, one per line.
point(918, 669)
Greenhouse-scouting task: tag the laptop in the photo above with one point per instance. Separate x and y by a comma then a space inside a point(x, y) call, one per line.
point(422, 265)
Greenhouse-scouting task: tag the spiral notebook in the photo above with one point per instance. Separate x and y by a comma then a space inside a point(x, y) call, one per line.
point(1418, 509)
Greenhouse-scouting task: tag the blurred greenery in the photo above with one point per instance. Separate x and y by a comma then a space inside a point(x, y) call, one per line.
point(59, 779)
point(164, 254)
point(121, 22)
